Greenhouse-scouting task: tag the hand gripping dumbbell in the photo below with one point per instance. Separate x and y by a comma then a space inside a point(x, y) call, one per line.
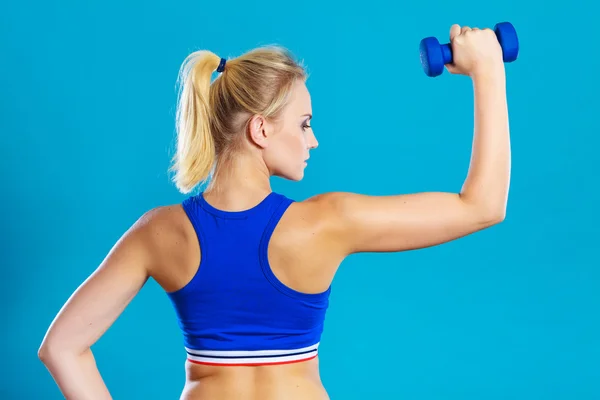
point(434, 56)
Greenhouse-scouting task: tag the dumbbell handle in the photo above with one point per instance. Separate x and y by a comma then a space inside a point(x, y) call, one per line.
point(447, 53)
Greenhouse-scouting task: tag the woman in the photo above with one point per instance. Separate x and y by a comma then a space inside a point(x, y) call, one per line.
point(248, 270)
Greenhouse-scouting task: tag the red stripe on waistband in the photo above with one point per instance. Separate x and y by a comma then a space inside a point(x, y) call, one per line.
point(251, 365)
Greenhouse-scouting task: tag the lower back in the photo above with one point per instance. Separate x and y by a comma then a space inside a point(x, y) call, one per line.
point(288, 381)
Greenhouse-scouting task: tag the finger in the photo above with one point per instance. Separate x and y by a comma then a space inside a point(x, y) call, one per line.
point(452, 69)
point(475, 29)
point(465, 29)
point(454, 31)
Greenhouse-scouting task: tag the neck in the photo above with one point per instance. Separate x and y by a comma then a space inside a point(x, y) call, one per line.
point(239, 182)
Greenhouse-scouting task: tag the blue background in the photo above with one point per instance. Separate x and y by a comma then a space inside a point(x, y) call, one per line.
point(86, 133)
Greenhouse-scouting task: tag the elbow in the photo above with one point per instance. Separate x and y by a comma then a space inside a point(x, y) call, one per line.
point(487, 213)
point(46, 353)
point(493, 216)
point(49, 353)
point(54, 352)
point(490, 210)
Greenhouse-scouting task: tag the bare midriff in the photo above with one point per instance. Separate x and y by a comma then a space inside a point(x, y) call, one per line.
point(297, 380)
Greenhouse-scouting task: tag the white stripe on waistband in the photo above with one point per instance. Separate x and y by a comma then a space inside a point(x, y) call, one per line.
point(253, 360)
point(251, 353)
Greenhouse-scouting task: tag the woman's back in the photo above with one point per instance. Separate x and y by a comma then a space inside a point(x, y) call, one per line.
point(251, 311)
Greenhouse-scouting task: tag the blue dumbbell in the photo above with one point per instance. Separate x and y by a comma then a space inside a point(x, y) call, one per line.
point(434, 56)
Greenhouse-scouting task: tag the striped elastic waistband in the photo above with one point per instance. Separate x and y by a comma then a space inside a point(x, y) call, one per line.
point(251, 357)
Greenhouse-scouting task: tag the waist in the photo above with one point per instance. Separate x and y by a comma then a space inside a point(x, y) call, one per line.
point(294, 380)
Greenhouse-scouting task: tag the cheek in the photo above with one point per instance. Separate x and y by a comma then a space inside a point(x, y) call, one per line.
point(301, 145)
point(286, 150)
point(294, 145)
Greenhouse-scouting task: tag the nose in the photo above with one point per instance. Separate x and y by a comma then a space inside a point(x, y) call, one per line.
point(314, 143)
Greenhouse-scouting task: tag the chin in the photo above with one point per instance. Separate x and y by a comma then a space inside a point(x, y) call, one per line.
point(297, 177)
point(293, 175)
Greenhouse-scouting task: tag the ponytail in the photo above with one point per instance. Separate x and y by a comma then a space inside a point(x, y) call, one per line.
point(195, 153)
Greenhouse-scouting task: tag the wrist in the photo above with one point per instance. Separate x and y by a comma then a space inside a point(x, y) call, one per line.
point(488, 72)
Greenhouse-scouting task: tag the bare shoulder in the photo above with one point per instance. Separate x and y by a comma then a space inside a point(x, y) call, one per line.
point(171, 241)
point(314, 222)
point(325, 209)
point(322, 205)
point(314, 216)
point(302, 252)
point(164, 224)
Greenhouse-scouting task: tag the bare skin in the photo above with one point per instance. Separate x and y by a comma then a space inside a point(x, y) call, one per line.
point(162, 244)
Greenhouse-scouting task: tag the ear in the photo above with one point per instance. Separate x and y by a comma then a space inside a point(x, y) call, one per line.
point(258, 131)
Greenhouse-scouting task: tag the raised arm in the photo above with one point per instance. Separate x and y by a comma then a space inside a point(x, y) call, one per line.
point(360, 223)
point(97, 303)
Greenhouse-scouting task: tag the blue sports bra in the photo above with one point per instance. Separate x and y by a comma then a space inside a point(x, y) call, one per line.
point(234, 311)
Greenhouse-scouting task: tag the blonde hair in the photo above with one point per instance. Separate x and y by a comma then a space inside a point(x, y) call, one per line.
point(211, 117)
